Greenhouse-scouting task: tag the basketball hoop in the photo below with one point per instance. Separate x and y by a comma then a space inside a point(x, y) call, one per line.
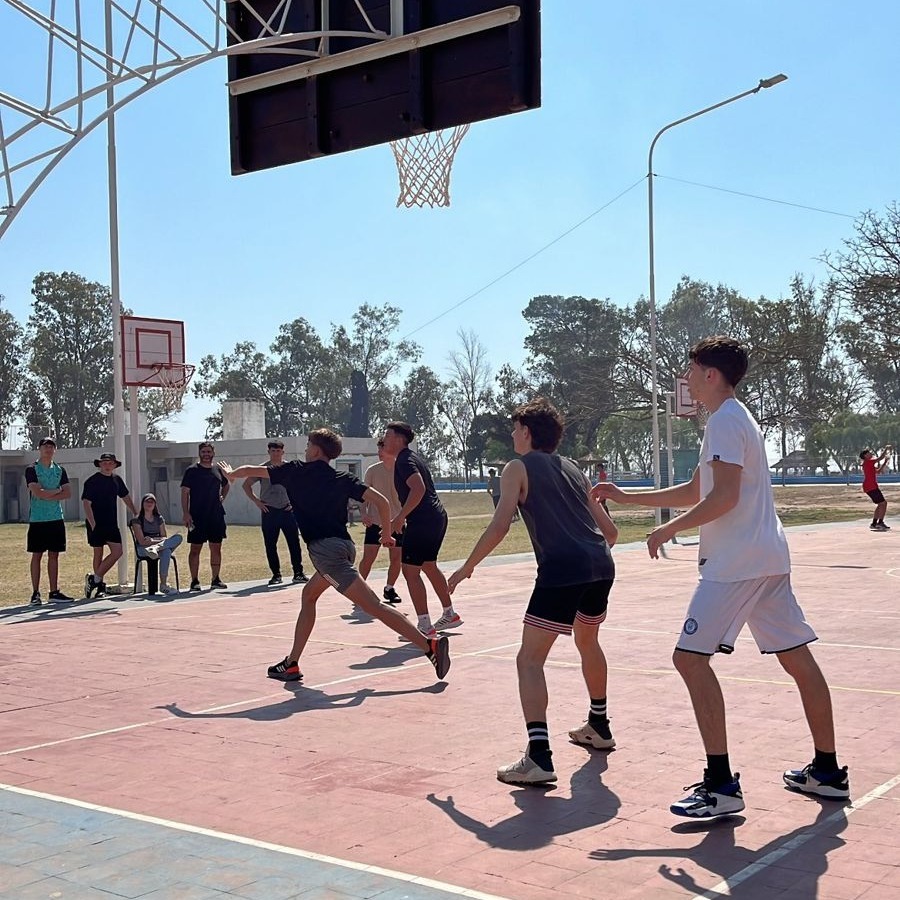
point(423, 165)
point(173, 382)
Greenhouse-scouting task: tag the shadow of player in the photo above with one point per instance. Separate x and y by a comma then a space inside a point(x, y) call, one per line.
point(718, 852)
point(543, 816)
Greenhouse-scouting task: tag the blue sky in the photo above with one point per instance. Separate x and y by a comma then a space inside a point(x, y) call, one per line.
point(236, 257)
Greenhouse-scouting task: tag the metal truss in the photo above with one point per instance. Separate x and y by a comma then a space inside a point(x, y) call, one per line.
point(72, 64)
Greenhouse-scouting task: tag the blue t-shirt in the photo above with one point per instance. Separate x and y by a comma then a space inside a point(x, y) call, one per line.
point(49, 478)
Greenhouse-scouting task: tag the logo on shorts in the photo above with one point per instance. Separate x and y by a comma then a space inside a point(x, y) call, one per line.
point(716, 457)
point(691, 626)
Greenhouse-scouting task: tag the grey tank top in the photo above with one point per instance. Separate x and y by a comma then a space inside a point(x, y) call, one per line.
point(568, 544)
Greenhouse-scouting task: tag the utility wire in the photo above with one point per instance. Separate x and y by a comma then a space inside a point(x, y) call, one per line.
point(712, 187)
point(527, 259)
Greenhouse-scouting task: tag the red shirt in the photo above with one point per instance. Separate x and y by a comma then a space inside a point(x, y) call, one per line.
point(870, 482)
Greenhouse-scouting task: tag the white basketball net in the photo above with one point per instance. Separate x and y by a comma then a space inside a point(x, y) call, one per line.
point(173, 382)
point(53, 90)
point(423, 166)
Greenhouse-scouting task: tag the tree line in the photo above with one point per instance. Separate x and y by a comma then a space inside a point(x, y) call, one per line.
point(825, 371)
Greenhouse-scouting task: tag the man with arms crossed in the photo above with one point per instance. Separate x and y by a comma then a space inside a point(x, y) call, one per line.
point(48, 484)
point(380, 477)
point(98, 497)
point(745, 577)
point(426, 524)
point(872, 467)
point(571, 535)
point(203, 491)
point(319, 496)
point(277, 518)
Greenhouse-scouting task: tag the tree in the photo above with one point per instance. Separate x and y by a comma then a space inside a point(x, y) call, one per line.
point(867, 277)
point(576, 346)
point(369, 348)
point(71, 343)
point(417, 403)
point(468, 396)
point(12, 367)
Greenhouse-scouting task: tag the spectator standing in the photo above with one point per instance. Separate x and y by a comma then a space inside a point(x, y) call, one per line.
point(203, 491)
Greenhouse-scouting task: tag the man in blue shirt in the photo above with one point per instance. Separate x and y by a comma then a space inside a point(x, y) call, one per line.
point(48, 485)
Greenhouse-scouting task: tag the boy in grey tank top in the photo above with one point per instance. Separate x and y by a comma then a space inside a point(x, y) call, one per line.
point(571, 535)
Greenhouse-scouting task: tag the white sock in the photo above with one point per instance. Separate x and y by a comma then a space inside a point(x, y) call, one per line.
point(388, 587)
point(448, 611)
point(425, 623)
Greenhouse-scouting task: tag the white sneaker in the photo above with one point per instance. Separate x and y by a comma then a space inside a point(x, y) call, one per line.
point(588, 736)
point(525, 771)
point(448, 621)
point(165, 589)
point(152, 552)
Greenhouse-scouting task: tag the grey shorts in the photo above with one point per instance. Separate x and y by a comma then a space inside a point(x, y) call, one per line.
point(719, 610)
point(333, 560)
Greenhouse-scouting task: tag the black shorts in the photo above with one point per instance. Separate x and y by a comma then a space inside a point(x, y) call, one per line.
point(46, 537)
point(876, 496)
point(422, 542)
point(103, 534)
point(373, 536)
point(556, 608)
point(207, 532)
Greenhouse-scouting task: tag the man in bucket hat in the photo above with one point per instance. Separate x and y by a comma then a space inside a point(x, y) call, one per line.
point(99, 500)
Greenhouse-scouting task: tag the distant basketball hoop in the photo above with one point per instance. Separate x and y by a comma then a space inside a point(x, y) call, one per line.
point(173, 383)
point(685, 405)
point(424, 163)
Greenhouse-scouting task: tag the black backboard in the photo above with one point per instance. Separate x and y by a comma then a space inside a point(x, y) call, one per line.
point(463, 79)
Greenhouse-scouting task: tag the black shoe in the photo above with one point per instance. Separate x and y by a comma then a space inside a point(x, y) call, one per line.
point(439, 654)
point(218, 584)
point(59, 597)
point(89, 585)
point(275, 579)
point(299, 578)
point(196, 586)
point(286, 670)
point(391, 596)
point(99, 589)
point(35, 599)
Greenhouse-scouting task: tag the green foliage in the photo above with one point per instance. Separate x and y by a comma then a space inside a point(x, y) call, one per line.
point(12, 367)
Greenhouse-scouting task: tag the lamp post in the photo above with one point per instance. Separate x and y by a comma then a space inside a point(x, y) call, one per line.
point(654, 381)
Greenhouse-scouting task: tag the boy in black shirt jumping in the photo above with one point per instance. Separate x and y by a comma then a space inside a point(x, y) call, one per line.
point(319, 495)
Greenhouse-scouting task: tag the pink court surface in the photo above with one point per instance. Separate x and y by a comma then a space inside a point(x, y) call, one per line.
point(152, 724)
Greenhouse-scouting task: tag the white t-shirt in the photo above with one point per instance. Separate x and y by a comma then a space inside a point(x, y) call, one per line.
point(748, 541)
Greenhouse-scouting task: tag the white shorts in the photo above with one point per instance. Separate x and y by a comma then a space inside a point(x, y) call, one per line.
point(719, 610)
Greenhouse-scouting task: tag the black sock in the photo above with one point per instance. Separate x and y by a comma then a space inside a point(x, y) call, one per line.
point(825, 762)
point(718, 770)
point(539, 744)
point(597, 718)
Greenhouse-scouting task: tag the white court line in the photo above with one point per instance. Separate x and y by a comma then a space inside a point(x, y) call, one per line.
point(259, 845)
point(170, 719)
point(723, 888)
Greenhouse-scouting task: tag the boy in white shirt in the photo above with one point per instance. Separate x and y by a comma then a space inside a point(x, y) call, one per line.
point(744, 579)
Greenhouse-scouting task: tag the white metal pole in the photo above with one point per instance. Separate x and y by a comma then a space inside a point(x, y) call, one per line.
point(654, 381)
point(115, 301)
point(670, 401)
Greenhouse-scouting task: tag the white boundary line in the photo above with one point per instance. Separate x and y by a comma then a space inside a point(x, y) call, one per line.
point(259, 845)
point(723, 888)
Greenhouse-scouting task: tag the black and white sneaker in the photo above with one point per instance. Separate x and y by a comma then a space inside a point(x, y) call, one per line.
point(391, 596)
point(196, 586)
point(59, 597)
point(810, 780)
point(286, 670)
point(439, 654)
point(99, 589)
point(89, 585)
point(299, 577)
point(218, 584)
point(706, 801)
point(35, 599)
point(275, 579)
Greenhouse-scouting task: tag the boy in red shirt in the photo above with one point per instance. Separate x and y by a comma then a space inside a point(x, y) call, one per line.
point(872, 466)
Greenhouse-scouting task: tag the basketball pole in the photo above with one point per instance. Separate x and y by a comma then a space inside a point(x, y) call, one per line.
point(654, 376)
point(115, 301)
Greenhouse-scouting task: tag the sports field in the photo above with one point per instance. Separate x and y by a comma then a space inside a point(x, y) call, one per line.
point(145, 754)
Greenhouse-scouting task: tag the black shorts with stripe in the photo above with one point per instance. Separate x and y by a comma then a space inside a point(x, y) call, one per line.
point(557, 608)
point(373, 536)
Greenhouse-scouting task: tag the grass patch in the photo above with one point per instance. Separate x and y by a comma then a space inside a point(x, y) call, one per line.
point(244, 558)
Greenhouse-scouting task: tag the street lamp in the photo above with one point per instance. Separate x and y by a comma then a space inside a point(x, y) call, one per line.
point(654, 381)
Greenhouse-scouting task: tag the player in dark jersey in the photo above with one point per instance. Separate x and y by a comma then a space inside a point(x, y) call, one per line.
point(571, 535)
